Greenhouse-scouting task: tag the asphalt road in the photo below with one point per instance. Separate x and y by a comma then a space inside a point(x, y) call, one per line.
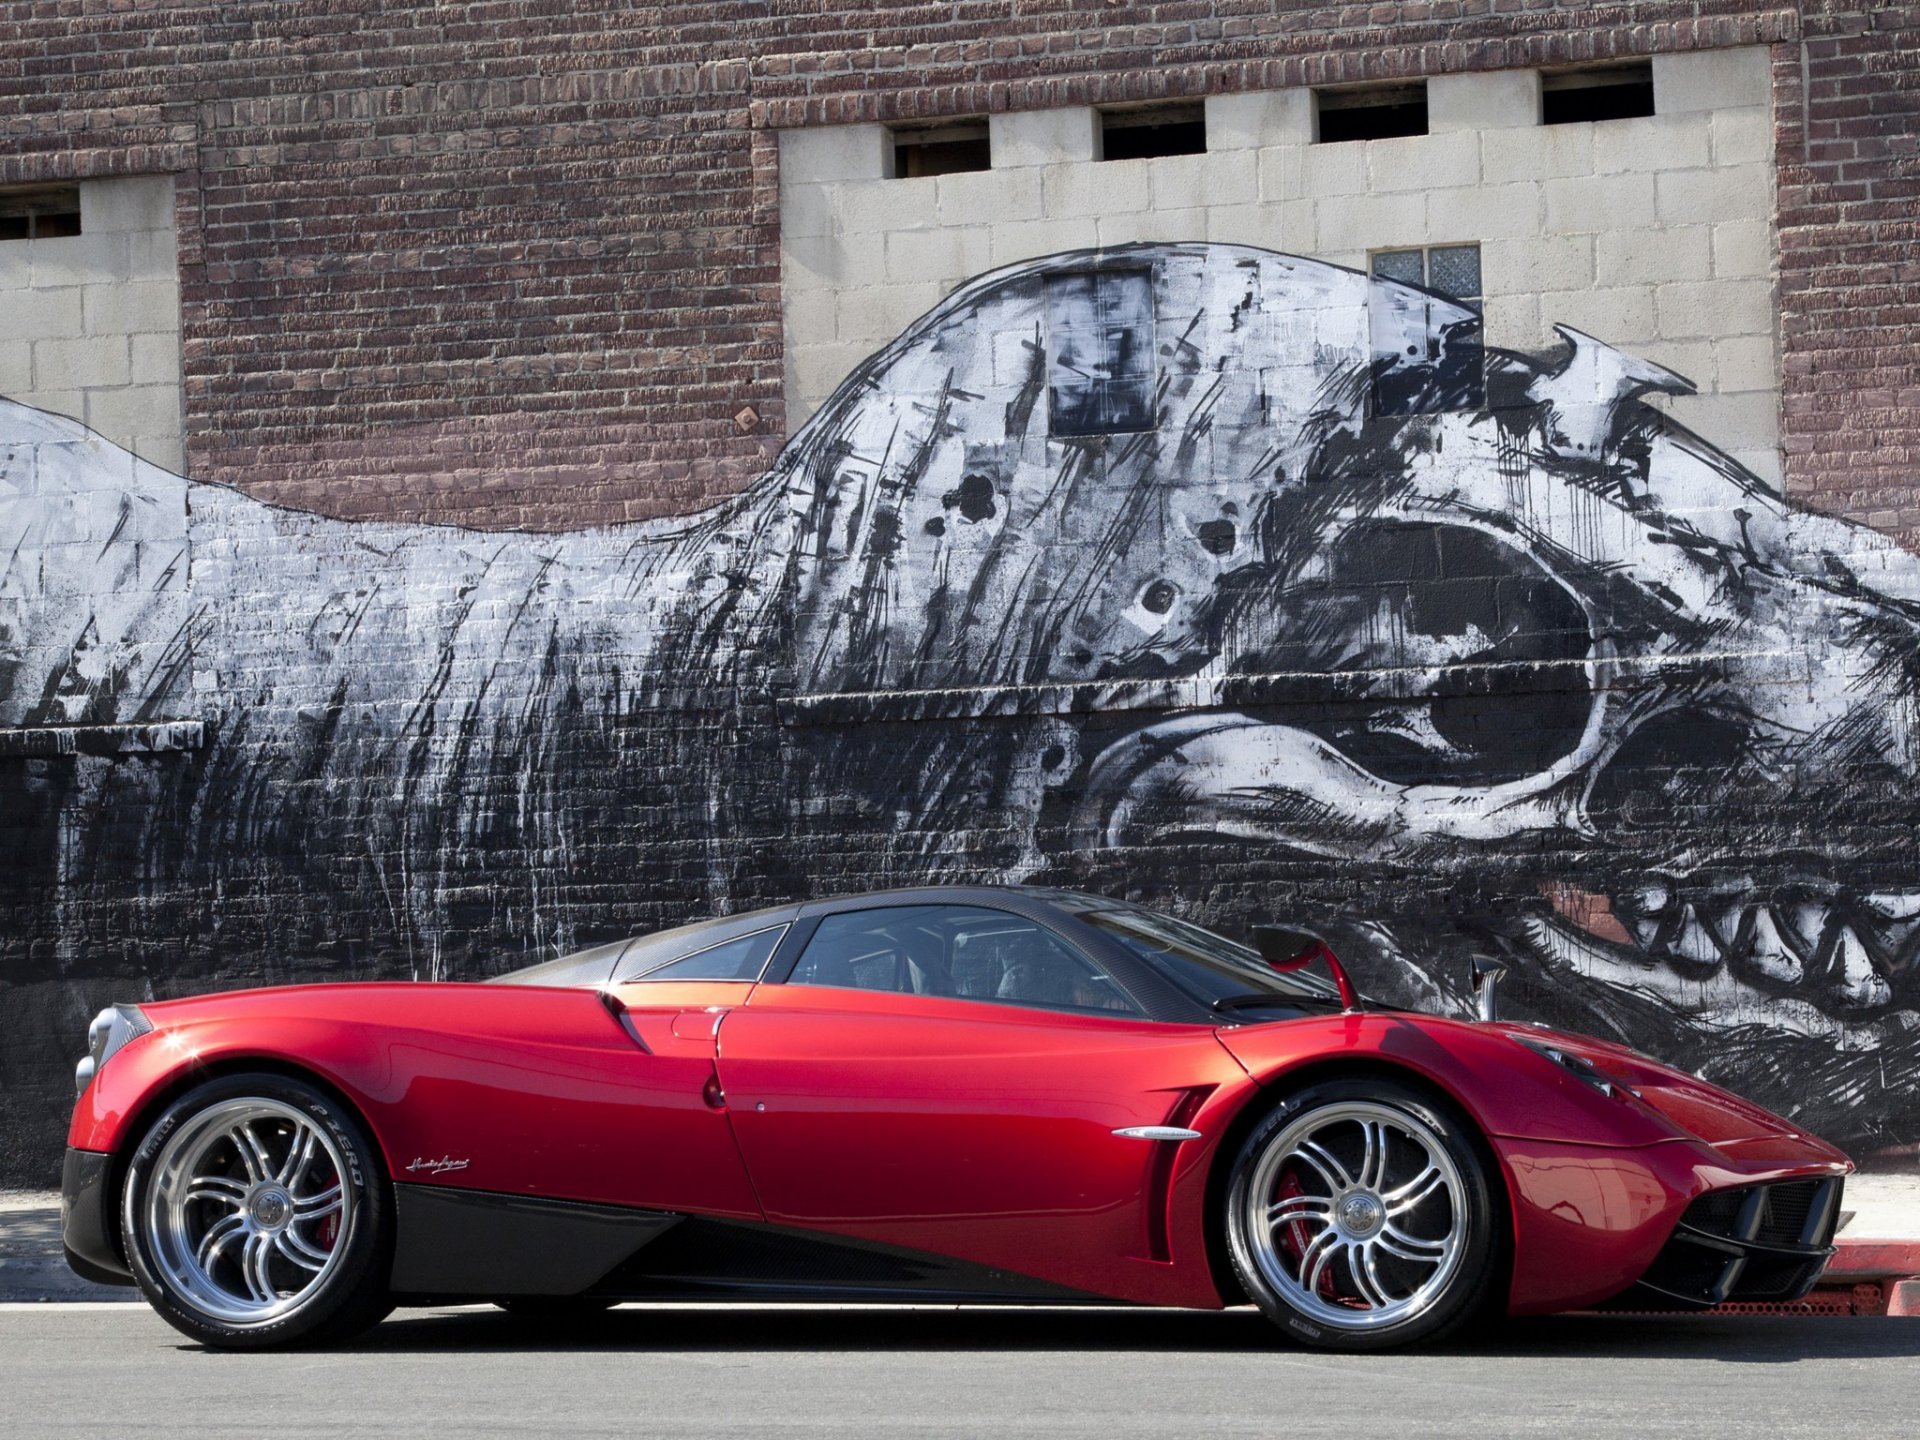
point(117, 1370)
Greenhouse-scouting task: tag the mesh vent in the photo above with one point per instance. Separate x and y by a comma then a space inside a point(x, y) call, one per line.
point(1758, 1244)
point(1769, 1279)
point(1784, 1212)
point(1715, 1213)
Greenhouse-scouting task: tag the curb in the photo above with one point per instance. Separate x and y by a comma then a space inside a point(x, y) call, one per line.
point(1874, 1259)
point(1865, 1277)
point(1883, 1275)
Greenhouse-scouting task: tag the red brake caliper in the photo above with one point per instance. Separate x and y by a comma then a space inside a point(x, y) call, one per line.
point(1294, 1237)
point(329, 1226)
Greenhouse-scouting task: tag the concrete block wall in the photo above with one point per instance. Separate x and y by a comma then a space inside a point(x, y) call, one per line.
point(1654, 234)
point(92, 321)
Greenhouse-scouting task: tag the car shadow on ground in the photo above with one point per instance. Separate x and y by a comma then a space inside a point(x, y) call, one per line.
point(1747, 1340)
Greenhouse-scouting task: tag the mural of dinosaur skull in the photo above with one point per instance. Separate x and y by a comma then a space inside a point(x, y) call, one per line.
point(1242, 591)
point(1631, 719)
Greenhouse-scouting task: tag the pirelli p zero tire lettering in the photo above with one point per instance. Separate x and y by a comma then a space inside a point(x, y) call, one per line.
point(256, 1214)
point(1360, 1217)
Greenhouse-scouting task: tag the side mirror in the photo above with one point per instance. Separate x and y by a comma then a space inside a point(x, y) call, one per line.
point(1486, 988)
point(1286, 949)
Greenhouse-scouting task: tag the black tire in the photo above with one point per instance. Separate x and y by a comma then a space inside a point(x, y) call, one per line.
point(1442, 1296)
point(347, 1291)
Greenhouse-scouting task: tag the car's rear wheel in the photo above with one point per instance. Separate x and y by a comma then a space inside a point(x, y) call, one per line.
point(1359, 1216)
point(255, 1215)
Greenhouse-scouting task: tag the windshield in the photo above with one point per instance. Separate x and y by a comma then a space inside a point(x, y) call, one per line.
point(1207, 966)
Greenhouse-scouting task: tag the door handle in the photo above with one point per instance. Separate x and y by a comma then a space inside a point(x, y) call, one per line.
point(699, 1024)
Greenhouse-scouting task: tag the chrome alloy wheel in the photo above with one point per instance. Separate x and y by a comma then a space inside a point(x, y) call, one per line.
point(246, 1210)
point(1356, 1215)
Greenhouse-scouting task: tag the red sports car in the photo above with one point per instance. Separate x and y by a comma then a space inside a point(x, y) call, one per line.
point(961, 1094)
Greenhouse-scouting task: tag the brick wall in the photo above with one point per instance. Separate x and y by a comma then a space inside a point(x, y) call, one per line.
point(1848, 148)
point(518, 265)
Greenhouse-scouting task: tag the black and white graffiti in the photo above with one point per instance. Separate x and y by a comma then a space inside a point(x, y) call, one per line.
point(1234, 581)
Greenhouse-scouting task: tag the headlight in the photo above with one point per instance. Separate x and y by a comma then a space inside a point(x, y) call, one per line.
point(111, 1028)
point(1581, 1069)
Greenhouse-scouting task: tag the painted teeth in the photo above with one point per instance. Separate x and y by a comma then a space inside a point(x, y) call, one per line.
point(1892, 906)
point(1855, 979)
point(1692, 946)
point(1841, 951)
point(1767, 955)
point(1645, 911)
point(1652, 900)
point(1645, 929)
point(1807, 923)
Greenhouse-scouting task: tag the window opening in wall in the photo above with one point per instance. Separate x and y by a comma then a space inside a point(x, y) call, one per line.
point(1609, 92)
point(1100, 356)
point(40, 213)
point(1377, 112)
point(1142, 132)
point(1427, 357)
point(949, 149)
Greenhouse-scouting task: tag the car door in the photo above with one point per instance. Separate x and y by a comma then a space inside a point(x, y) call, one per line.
point(672, 1005)
point(950, 1078)
point(600, 1090)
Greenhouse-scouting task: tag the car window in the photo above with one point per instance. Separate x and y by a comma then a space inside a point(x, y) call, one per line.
point(741, 959)
point(1207, 966)
point(966, 951)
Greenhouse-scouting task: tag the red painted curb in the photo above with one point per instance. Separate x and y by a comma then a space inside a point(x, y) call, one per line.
point(1856, 1260)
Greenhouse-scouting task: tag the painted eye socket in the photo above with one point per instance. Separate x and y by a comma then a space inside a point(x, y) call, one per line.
point(1427, 654)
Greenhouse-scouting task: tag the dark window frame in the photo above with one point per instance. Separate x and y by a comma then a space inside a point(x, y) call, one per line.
point(1150, 132)
point(1595, 94)
point(1370, 112)
point(39, 212)
point(950, 147)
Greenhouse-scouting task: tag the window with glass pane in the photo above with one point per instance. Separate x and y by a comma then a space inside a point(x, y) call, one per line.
point(964, 951)
point(1207, 966)
point(741, 959)
point(1427, 356)
point(1100, 357)
point(1407, 266)
point(1454, 270)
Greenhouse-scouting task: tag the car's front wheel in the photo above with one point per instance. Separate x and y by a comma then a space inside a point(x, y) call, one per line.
point(255, 1215)
point(1359, 1216)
